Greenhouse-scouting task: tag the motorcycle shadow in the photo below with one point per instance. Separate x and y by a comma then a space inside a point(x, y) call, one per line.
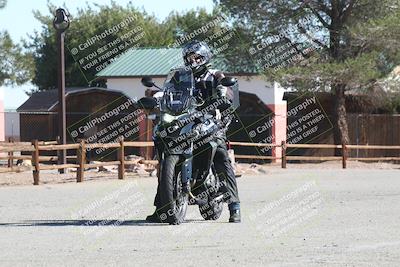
point(203, 221)
point(92, 223)
point(84, 223)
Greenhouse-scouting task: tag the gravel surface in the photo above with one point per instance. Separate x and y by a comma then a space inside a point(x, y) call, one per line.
point(52, 177)
point(292, 217)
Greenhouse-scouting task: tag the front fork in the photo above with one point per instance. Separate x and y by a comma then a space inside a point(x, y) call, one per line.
point(187, 170)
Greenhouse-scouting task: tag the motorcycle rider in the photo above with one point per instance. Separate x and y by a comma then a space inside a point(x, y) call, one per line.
point(197, 56)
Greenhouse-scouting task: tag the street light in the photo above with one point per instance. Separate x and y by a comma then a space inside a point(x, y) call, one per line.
point(61, 23)
point(3, 3)
point(61, 20)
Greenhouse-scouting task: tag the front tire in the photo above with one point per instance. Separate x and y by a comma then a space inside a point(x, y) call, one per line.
point(173, 201)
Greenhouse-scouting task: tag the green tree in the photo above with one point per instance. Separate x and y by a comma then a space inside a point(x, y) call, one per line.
point(94, 20)
point(183, 24)
point(342, 44)
point(15, 65)
point(87, 23)
point(215, 28)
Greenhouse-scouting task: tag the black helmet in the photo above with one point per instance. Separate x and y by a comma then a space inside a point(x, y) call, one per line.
point(196, 55)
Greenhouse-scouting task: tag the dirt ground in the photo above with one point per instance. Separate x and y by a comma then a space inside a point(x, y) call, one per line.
point(52, 177)
point(309, 216)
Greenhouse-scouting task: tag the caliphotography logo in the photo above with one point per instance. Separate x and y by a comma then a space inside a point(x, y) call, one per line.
point(289, 211)
point(213, 132)
point(99, 50)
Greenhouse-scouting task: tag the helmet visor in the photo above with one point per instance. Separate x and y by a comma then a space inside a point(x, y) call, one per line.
point(195, 60)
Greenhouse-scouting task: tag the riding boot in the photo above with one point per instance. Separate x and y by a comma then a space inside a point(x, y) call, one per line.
point(153, 218)
point(234, 211)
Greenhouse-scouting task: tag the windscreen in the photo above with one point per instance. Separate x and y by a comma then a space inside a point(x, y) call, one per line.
point(178, 90)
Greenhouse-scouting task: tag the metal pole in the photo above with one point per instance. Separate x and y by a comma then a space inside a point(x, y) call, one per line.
point(61, 99)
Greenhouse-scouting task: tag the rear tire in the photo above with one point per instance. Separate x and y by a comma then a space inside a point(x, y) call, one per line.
point(212, 210)
point(173, 201)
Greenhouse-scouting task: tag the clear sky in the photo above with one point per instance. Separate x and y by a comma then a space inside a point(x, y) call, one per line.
point(17, 18)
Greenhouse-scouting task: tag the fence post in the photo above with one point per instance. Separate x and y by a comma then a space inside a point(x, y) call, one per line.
point(344, 156)
point(10, 156)
point(121, 158)
point(81, 157)
point(283, 154)
point(35, 162)
point(59, 154)
point(10, 159)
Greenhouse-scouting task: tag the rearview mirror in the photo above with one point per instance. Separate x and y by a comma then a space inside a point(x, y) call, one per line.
point(147, 81)
point(228, 81)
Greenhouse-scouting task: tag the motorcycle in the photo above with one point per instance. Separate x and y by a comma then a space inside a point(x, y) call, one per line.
point(185, 141)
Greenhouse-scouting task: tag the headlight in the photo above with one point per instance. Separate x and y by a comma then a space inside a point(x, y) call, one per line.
point(151, 116)
point(167, 118)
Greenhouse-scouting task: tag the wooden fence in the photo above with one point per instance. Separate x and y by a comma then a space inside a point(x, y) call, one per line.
point(80, 159)
point(35, 147)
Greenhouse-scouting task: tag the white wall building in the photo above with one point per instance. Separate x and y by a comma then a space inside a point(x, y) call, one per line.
point(126, 72)
point(2, 120)
point(12, 124)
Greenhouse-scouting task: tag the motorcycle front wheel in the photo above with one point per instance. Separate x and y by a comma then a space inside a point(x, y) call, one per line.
point(173, 200)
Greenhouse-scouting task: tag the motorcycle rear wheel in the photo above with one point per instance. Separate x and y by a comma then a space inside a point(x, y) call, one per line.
point(211, 211)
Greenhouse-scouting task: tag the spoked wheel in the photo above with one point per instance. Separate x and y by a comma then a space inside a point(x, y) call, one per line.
point(213, 207)
point(173, 200)
point(212, 210)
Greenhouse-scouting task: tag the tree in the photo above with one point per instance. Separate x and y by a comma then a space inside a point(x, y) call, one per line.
point(339, 45)
point(93, 21)
point(117, 24)
point(15, 65)
point(223, 36)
